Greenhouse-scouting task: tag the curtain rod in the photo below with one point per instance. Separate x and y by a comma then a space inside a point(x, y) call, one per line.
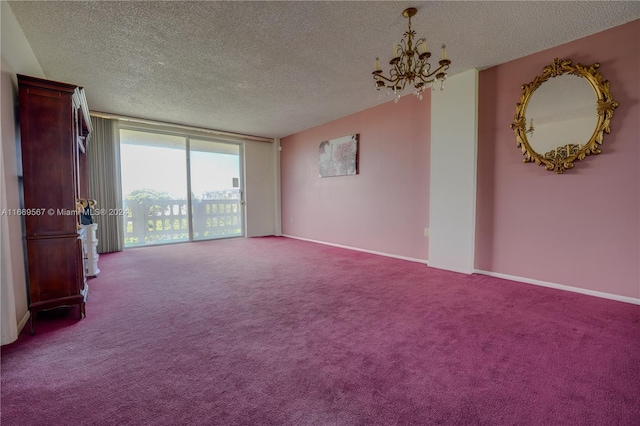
point(179, 126)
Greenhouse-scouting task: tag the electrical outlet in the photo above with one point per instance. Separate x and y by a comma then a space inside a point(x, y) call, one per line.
point(426, 232)
point(291, 219)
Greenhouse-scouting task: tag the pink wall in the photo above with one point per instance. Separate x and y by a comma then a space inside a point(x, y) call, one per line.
point(386, 207)
point(581, 228)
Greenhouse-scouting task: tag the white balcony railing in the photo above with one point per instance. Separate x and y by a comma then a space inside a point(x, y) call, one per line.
point(160, 221)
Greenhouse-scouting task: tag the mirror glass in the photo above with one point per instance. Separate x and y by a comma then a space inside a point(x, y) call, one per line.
point(563, 110)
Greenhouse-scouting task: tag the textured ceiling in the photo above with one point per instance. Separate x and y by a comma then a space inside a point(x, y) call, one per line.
point(276, 68)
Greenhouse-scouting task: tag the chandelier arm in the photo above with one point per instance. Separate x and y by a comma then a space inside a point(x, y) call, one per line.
point(396, 72)
point(390, 80)
point(439, 69)
point(421, 72)
point(426, 73)
point(422, 79)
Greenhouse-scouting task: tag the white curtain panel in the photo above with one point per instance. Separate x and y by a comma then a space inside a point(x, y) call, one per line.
point(105, 183)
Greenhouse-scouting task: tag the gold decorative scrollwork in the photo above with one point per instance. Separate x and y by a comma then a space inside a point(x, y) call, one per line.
point(562, 158)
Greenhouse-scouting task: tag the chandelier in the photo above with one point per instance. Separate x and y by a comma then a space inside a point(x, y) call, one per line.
point(410, 65)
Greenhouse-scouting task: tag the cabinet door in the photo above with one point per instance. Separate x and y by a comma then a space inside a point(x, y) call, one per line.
point(48, 161)
point(54, 272)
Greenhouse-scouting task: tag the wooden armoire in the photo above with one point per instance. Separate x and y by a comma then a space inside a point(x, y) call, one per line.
point(54, 125)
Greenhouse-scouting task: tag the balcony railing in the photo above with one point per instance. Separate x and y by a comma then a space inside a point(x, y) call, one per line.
point(161, 221)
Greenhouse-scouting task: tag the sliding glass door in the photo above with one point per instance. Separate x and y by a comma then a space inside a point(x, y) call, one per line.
point(177, 188)
point(216, 198)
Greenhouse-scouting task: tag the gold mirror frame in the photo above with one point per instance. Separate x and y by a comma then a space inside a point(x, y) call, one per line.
point(561, 160)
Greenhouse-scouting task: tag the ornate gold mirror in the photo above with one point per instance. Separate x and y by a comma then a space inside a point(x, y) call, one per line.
point(565, 118)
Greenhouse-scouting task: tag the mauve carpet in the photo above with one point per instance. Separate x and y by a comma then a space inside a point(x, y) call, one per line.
point(275, 331)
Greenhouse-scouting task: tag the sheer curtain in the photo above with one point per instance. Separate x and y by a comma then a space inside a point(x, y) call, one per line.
point(105, 183)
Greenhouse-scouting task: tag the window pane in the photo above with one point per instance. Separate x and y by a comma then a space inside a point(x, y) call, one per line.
point(215, 189)
point(154, 187)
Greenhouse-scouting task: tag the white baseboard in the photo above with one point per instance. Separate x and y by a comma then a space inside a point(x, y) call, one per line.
point(452, 269)
point(610, 296)
point(23, 321)
point(395, 256)
point(601, 294)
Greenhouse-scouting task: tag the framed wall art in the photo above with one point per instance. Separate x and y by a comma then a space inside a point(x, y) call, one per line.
point(339, 157)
